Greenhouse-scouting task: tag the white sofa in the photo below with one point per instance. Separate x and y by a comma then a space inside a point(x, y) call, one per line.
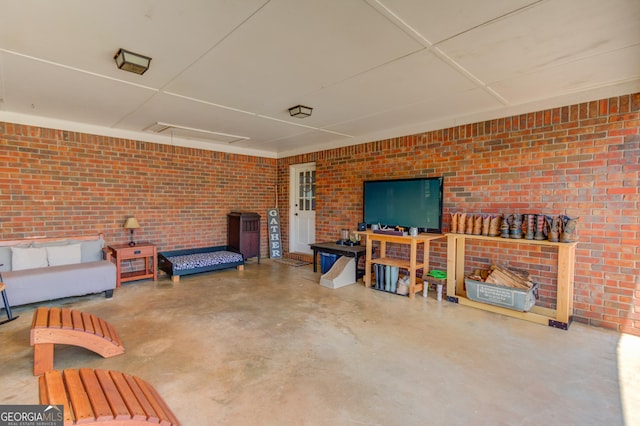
point(41, 269)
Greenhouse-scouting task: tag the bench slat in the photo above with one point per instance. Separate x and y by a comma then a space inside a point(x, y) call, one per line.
point(40, 318)
point(43, 397)
point(54, 392)
point(97, 327)
point(87, 322)
point(171, 419)
point(67, 323)
point(99, 402)
point(78, 398)
point(54, 318)
point(158, 404)
point(114, 334)
point(78, 323)
point(151, 414)
point(105, 329)
point(130, 397)
point(118, 407)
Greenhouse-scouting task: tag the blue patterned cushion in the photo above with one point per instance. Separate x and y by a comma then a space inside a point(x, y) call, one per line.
point(201, 260)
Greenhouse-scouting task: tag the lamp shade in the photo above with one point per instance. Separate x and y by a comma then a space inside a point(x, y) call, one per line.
point(131, 223)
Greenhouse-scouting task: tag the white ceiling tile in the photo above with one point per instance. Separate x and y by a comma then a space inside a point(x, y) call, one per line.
point(40, 88)
point(281, 54)
point(551, 33)
point(87, 34)
point(406, 81)
point(422, 116)
point(572, 77)
point(439, 20)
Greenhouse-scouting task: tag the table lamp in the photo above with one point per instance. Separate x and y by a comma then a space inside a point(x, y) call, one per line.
point(131, 224)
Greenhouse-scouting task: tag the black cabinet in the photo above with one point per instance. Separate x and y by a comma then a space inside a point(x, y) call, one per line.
point(244, 233)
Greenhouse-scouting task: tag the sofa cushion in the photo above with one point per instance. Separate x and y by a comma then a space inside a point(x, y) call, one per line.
point(5, 259)
point(63, 255)
point(5, 256)
point(28, 258)
point(91, 249)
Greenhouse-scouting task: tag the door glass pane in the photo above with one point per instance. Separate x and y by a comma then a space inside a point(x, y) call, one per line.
point(306, 190)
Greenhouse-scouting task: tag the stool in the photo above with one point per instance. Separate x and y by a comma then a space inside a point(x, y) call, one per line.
point(439, 283)
point(7, 308)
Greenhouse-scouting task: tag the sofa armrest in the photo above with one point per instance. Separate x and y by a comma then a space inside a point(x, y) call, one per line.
point(106, 254)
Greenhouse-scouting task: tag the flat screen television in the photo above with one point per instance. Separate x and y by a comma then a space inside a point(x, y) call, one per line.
point(405, 202)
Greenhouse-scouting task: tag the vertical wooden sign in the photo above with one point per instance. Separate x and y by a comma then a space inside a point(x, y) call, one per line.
point(275, 245)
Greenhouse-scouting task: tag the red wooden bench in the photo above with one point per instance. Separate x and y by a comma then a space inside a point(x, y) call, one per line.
point(101, 397)
point(70, 327)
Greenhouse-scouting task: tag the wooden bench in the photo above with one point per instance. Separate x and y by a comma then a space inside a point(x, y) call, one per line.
point(70, 327)
point(102, 397)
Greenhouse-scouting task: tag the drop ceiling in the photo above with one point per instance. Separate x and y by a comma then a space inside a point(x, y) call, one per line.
point(224, 73)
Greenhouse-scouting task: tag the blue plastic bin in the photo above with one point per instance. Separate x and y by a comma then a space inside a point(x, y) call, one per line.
point(326, 261)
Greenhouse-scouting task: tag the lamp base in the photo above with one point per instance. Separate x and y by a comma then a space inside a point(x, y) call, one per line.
point(131, 243)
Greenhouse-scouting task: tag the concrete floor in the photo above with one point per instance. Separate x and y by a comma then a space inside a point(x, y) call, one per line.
point(269, 346)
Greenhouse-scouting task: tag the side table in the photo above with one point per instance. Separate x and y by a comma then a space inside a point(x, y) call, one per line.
point(144, 250)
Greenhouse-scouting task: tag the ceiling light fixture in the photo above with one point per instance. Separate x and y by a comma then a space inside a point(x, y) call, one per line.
point(300, 111)
point(133, 62)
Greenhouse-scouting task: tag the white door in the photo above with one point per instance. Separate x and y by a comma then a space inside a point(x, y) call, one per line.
point(303, 207)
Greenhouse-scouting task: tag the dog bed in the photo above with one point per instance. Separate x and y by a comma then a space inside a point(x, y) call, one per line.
point(192, 261)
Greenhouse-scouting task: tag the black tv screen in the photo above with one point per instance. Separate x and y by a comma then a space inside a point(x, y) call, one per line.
point(405, 202)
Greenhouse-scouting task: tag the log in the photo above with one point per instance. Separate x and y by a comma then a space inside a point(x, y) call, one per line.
point(499, 278)
point(518, 276)
point(506, 277)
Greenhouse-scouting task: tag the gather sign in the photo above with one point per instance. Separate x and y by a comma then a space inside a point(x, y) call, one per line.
point(275, 245)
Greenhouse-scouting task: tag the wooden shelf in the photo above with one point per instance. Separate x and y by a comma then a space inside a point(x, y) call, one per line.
point(411, 264)
point(558, 318)
point(135, 275)
point(390, 261)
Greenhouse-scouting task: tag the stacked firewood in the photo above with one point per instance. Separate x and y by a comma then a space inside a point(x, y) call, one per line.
point(504, 276)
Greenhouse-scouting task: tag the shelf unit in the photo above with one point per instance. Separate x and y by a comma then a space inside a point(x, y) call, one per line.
point(558, 318)
point(410, 264)
point(244, 233)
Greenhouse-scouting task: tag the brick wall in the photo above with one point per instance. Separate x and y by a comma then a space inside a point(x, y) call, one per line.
point(580, 160)
point(59, 183)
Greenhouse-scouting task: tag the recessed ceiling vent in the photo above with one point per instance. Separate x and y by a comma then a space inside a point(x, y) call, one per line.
point(193, 133)
point(158, 128)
